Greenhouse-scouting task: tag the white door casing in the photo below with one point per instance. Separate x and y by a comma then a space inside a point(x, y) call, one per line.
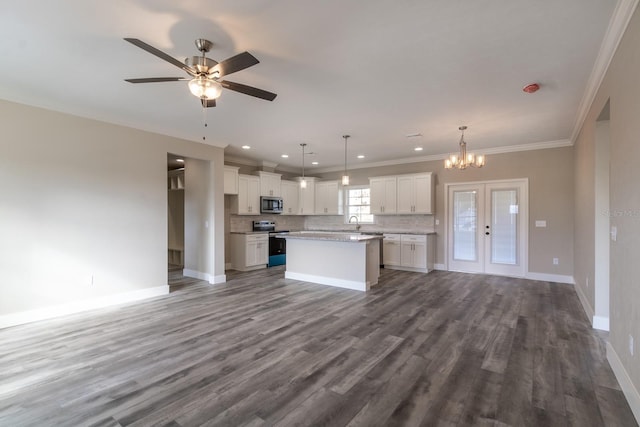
point(486, 227)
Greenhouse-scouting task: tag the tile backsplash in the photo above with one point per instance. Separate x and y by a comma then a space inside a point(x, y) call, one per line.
point(240, 223)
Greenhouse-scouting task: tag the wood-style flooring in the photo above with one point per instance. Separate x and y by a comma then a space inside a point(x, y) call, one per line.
point(443, 349)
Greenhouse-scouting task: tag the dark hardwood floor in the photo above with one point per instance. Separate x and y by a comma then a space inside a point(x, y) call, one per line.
point(446, 349)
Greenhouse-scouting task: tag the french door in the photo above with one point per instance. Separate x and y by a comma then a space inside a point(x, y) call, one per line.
point(487, 227)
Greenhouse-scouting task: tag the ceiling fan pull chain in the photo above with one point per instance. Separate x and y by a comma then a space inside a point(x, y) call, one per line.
point(204, 120)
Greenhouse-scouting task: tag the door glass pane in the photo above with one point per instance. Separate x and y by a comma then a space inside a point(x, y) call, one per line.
point(465, 223)
point(504, 226)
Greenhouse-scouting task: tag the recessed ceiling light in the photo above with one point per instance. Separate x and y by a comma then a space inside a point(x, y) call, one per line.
point(314, 163)
point(417, 149)
point(180, 160)
point(246, 147)
point(285, 156)
point(361, 156)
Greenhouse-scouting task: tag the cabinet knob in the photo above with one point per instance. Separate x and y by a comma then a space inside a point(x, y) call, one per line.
point(487, 233)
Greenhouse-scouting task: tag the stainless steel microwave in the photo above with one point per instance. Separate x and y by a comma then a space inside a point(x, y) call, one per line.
point(272, 205)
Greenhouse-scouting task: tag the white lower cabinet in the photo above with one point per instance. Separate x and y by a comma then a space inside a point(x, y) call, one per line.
point(411, 252)
point(391, 249)
point(249, 251)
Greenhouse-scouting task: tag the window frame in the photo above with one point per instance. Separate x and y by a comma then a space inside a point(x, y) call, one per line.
point(346, 203)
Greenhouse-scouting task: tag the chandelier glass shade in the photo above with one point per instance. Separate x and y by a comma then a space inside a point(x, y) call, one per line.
point(205, 88)
point(463, 160)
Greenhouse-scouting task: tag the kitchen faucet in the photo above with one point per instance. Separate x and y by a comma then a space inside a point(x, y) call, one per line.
point(357, 222)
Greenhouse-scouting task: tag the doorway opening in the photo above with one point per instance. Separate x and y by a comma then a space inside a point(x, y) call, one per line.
point(175, 213)
point(602, 221)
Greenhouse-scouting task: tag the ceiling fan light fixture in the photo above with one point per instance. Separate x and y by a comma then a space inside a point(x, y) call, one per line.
point(205, 88)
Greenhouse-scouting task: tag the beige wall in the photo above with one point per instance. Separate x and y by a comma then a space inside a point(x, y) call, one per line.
point(550, 174)
point(84, 201)
point(620, 86)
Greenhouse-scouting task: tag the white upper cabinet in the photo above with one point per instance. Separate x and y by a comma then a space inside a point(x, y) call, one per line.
point(383, 195)
point(415, 194)
point(270, 184)
point(328, 198)
point(307, 197)
point(290, 192)
point(230, 180)
point(248, 200)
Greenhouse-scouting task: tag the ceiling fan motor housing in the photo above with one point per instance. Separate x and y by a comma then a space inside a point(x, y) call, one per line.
point(201, 64)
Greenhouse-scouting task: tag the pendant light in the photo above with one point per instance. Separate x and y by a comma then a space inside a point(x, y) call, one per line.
point(464, 159)
point(303, 182)
point(345, 177)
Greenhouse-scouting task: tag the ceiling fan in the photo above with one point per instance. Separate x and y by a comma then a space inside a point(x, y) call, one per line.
point(205, 73)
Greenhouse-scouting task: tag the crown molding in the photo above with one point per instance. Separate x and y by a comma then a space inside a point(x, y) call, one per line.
point(617, 25)
point(258, 163)
point(496, 150)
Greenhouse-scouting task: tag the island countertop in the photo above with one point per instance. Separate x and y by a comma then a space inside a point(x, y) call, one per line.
point(335, 237)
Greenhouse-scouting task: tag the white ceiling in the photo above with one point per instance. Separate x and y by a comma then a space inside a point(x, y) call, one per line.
point(376, 69)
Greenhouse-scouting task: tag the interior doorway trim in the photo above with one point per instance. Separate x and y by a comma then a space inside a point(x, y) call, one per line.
point(524, 217)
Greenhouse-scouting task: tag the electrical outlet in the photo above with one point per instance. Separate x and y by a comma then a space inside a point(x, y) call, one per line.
point(437, 222)
point(556, 261)
point(631, 344)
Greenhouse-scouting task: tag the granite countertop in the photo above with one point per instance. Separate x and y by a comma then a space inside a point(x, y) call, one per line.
point(384, 231)
point(249, 232)
point(335, 237)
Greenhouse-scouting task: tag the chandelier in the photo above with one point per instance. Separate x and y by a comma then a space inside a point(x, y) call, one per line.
point(463, 159)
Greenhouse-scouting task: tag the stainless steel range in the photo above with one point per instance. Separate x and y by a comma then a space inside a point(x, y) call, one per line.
point(277, 247)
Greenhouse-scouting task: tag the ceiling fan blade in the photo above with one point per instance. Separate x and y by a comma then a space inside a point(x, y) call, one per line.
point(160, 54)
point(156, 79)
point(206, 103)
point(248, 90)
point(234, 64)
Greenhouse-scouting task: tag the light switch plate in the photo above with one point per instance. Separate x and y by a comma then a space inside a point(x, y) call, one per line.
point(614, 233)
point(541, 223)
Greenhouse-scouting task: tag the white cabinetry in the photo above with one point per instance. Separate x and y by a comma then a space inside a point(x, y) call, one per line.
point(383, 195)
point(230, 180)
point(307, 197)
point(391, 249)
point(412, 252)
point(248, 201)
point(290, 192)
point(328, 200)
point(415, 194)
point(269, 184)
point(249, 251)
point(176, 179)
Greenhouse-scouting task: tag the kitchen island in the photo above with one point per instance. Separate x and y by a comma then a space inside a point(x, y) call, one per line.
point(343, 260)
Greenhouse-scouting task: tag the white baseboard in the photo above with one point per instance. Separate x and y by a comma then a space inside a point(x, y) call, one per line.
point(80, 306)
point(439, 267)
point(630, 392)
point(214, 280)
point(222, 278)
point(196, 274)
point(545, 277)
point(339, 283)
point(585, 303)
point(601, 323)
